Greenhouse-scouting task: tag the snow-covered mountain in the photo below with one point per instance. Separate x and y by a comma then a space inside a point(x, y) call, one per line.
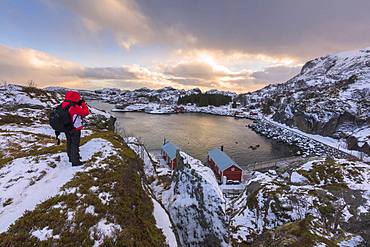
point(330, 96)
point(226, 93)
point(166, 95)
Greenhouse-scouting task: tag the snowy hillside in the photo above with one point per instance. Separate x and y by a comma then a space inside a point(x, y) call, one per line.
point(330, 96)
point(44, 201)
point(125, 196)
point(196, 205)
point(87, 94)
point(323, 202)
point(226, 93)
point(165, 96)
point(192, 198)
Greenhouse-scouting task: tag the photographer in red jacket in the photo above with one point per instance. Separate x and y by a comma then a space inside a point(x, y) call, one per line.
point(77, 111)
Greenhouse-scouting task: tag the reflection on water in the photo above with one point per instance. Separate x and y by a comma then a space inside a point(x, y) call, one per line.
point(197, 133)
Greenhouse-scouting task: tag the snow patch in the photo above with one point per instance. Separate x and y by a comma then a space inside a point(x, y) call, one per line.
point(102, 230)
point(163, 222)
point(297, 178)
point(28, 189)
point(43, 234)
point(354, 241)
point(105, 197)
point(90, 210)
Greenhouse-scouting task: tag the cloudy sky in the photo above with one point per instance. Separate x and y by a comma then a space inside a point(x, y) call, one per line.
point(239, 45)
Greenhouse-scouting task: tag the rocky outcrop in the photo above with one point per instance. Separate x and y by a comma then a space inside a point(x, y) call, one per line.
point(330, 96)
point(305, 146)
point(352, 144)
point(196, 205)
point(311, 124)
point(321, 201)
point(191, 197)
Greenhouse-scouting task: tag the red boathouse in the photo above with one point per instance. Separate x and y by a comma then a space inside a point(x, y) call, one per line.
point(223, 166)
point(169, 154)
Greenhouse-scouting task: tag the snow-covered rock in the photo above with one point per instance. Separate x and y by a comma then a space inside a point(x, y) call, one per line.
point(320, 197)
point(196, 205)
point(102, 230)
point(192, 198)
point(295, 177)
point(328, 97)
point(164, 223)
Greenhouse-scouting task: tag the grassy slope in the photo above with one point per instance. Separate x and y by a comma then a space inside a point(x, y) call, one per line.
point(130, 206)
point(119, 176)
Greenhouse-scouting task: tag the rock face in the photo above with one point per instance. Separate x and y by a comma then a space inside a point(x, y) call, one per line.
point(305, 145)
point(352, 143)
point(192, 199)
point(330, 96)
point(322, 201)
point(196, 205)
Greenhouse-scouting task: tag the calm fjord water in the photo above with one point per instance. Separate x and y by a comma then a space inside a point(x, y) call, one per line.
point(197, 133)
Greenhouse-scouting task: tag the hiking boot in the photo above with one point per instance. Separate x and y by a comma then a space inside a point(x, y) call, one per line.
point(80, 163)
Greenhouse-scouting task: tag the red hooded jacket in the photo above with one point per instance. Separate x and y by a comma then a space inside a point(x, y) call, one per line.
point(76, 112)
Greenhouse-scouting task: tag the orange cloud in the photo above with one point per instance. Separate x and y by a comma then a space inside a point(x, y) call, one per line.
point(20, 65)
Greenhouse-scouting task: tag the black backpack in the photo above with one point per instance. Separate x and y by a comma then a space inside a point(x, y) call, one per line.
point(60, 120)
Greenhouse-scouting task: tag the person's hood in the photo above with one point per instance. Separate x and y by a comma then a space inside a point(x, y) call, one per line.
point(72, 96)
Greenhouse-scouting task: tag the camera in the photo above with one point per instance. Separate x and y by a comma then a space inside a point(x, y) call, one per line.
point(80, 102)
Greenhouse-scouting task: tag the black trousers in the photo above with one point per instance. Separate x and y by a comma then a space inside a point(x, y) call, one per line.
point(73, 145)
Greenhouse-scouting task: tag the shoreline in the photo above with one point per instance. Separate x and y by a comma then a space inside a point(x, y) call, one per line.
point(308, 144)
point(204, 111)
point(245, 163)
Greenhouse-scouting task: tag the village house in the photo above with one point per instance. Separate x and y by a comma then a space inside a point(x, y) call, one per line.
point(168, 153)
point(223, 166)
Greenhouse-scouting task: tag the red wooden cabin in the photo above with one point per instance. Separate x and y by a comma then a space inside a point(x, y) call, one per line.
point(223, 166)
point(168, 152)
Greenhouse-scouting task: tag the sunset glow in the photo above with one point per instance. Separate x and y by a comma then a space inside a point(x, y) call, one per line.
point(130, 44)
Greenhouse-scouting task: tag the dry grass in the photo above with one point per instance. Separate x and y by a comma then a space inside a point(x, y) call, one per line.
point(130, 206)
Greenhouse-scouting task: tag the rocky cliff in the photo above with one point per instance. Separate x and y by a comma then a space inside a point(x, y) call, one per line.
point(318, 202)
point(192, 198)
point(330, 97)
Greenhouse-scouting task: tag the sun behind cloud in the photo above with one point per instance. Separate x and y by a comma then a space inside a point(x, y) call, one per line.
point(229, 45)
